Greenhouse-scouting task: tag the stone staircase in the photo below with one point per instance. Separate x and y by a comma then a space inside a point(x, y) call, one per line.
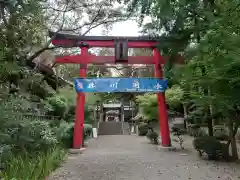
point(126, 128)
point(113, 128)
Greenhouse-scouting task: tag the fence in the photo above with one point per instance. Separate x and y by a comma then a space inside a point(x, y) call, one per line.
point(31, 116)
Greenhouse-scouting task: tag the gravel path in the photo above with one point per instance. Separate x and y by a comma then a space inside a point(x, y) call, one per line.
point(132, 158)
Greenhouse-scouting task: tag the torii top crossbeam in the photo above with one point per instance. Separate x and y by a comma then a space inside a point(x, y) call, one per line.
point(121, 45)
point(69, 40)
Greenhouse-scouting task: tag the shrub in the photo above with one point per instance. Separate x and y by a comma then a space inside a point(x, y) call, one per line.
point(64, 133)
point(211, 146)
point(88, 118)
point(153, 137)
point(57, 106)
point(143, 129)
point(70, 116)
point(5, 154)
point(87, 130)
point(178, 132)
point(221, 136)
point(37, 167)
point(28, 136)
point(220, 133)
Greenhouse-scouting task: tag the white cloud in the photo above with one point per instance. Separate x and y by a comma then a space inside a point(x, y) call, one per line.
point(126, 28)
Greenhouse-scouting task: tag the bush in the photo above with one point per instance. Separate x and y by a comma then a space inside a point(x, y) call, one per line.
point(87, 130)
point(64, 134)
point(153, 137)
point(221, 136)
point(65, 131)
point(211, 146)
point(28, 167)
point(28, 136)
point(178, 132)
point(143, 129)
point(220, 133)
point(57, 106)
point(25, 143)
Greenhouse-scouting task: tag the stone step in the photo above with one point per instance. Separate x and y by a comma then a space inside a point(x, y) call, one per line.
point(126, 128)
point(113, 128)
point(110, 128)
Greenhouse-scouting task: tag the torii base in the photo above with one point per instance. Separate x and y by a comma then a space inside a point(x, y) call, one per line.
point(165, 149)
point(76, 151)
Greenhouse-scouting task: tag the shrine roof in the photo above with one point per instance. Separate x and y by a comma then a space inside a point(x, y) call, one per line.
point(112, 105)
point(112, 112)
point(68, 36)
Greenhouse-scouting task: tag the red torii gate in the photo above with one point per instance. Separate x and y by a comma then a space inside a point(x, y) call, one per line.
point(121, 45)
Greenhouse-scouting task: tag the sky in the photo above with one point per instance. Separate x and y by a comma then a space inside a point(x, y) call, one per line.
point(126, 28)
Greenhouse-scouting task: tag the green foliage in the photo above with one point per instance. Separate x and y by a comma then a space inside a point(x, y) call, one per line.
point(92, 98)
point(153, 137)
point(174, 96)
point(177, 131)
point(88, 115)
point(22, 28)
point(64, 133)
point(63, 105)
point(33, 168)
point(207, 34)
point(143, 129)
point(69, 95)
point(57, 106)
point(148, 102)
point(87, 130)
point(24, 136)
point(211, 146)
point(20, 135)
point(39, 87)
point(27, 145)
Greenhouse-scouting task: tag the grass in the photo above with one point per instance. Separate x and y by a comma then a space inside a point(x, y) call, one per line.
point(37, 168)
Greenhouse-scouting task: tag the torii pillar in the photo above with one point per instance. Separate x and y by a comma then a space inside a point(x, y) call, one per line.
point(80, 103)
point(162, 109)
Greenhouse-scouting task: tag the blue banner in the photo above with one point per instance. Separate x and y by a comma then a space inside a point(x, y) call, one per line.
point(120, 85)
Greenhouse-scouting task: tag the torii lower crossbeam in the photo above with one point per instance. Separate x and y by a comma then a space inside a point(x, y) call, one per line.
point(92, 59)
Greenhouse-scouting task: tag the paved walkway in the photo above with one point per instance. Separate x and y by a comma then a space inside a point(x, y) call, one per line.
point(132, 158)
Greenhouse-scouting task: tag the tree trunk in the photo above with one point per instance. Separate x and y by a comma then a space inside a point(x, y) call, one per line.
point(210, 126)
point(211, 108)
point(49, 74)
point(232, 139)
point(185, 113)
